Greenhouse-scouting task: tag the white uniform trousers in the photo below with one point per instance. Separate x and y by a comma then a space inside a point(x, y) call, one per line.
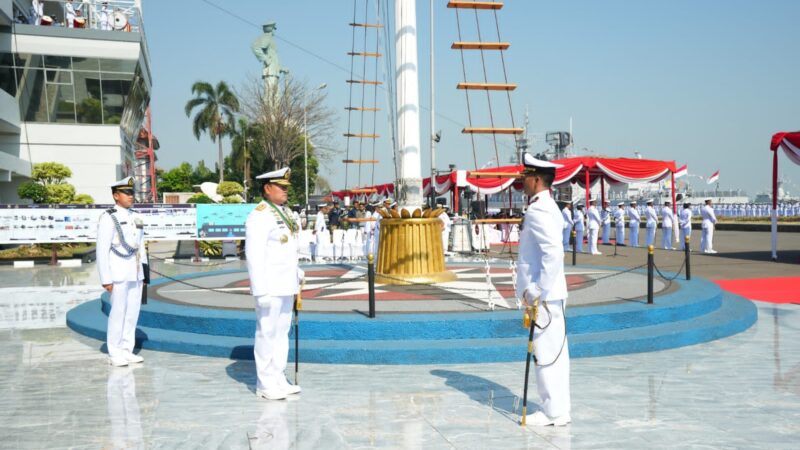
point(666, 238)
point(707, 238)
point(552, 368)
point(635, 236)
point(685, 232)
point(445, 240)
point(565, 239)
point(271, 350)
point(620, 236)
point(578, 240)
point(651, 236)
point(607, 233)
point(126, 299)
point(593, 240)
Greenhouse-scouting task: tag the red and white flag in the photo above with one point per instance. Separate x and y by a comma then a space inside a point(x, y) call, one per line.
point(682, 171)
point(713, 178)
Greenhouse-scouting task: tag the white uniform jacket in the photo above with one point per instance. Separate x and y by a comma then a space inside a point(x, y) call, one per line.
point(685, 218)
point(578, 220)
point(666, 217)
point(709, 219)
point(112, 267)
point(271, 250)
point(594, 218)
point(652, 218)
point(619, 217)
point(568, 221)
point(605, 216)
point(540, 267)
point(319, 223)
point(635, 219)
point(446, 222)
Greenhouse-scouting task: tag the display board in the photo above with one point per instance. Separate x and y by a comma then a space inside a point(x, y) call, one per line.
point(42, 224)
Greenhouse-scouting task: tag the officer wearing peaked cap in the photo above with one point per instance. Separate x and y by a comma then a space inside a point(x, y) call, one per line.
point(540, 274)
point(633, 223)
point(121, 255)
point(272, 264)
point(619, 223)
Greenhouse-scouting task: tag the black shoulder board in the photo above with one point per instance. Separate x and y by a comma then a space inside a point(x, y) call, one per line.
point(111, 210)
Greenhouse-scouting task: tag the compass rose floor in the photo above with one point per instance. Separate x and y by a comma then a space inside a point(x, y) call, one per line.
point(471, 320)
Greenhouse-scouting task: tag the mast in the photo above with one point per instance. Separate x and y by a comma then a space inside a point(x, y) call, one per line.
point(407, 87)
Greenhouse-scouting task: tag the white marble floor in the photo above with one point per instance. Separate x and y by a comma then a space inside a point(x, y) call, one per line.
point(56, 391)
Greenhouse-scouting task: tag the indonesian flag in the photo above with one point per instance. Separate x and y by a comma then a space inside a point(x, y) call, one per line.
point(681, 172)
point(713, 178)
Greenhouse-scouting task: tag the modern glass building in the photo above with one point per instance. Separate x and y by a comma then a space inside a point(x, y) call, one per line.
point(77, 96)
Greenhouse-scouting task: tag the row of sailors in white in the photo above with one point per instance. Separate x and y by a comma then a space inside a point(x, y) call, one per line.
point(602, 219)
point(97, 13)
point(755, 209)
point(370, 230)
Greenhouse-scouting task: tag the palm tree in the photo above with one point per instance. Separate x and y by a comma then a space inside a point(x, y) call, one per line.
point(217, 107)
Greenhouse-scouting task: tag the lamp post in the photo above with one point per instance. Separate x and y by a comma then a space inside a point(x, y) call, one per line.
point(305, 137)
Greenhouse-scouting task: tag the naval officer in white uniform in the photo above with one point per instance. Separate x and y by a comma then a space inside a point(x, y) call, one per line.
point(685, 221)
point(652, 223)
point(633, 223)
point(709, 220)
point(271, 250)
point(566, 213)
point(120, 256)
point(667, 222)
point(619, 222)
point(593, 217)
point(540, 273)
point(605, 218)
point(579, 225)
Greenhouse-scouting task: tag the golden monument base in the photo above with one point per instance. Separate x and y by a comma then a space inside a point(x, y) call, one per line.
point(410, 252)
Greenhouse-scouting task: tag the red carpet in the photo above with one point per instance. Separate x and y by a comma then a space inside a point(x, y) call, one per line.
point(773, 290)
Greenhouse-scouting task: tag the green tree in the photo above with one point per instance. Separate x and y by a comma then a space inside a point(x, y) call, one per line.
point(32, 191)
point(215, 109)
point(83, 199)
point(50, 173)
point(60, 193)
point(231, 192)
point(199, 198)
point(178, 179)
point(201, 173)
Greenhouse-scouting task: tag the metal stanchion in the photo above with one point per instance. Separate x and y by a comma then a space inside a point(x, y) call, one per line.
point(371, 284)
point(687, 255)
point(650, 265)
point(572, 237)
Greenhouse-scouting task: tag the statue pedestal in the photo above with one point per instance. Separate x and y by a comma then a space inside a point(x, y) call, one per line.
point(411, 252)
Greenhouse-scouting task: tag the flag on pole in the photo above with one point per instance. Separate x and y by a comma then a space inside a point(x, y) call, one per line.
point(713, 178)
point(682, 171)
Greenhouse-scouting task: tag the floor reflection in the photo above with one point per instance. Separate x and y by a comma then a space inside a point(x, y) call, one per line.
point(123, 409)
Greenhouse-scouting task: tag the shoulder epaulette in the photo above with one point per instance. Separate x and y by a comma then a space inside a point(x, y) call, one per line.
point(111, 210)
point(261, 207)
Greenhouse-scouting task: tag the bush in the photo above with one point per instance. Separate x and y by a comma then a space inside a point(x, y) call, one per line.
point(227, 188)
point(232, 199)
point(50, 173)
point(83, 199)
point(32, 191)
point(60, 193)
point(210, 248)
point(199, 198)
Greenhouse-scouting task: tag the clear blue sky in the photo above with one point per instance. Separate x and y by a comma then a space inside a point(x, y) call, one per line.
point(702, 82)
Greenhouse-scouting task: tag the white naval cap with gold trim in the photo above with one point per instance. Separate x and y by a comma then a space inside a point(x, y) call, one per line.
point(123, 185)
point(280, 176)
point(533, 165)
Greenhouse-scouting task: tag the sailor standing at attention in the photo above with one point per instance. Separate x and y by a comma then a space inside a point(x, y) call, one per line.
point(633, 223)
point(272, 265)
point(321, 235)
point(568, 223)
point(69, 14)
point(593, 217)
point(540, 274)
point(652, 223)
point(605, 219)
point(666, 226)
point(709, 220)
point(619, 222)
point(579, 227)
point(120, 258)
point(685, 221)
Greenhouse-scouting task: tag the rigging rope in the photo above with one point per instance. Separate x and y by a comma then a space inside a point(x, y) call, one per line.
point(488, 95)
point(466, 91)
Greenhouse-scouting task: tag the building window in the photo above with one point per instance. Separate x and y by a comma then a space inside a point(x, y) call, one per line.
point(62, 89)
